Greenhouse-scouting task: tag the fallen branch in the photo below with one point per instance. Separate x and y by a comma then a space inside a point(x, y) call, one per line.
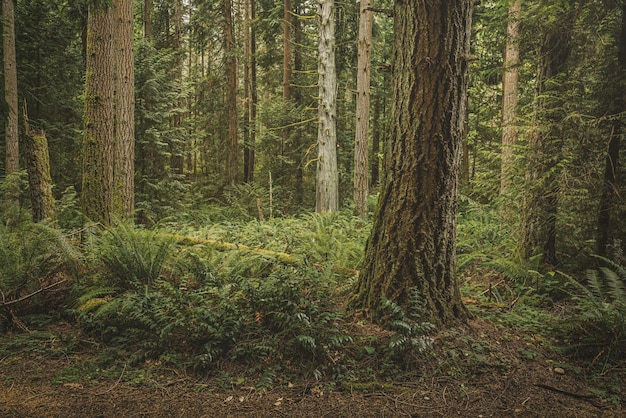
point(30, 295)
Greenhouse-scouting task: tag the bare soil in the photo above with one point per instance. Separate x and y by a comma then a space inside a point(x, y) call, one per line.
point(517, 376)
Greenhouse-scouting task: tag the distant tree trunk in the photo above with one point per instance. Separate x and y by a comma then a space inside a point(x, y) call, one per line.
point(38, 168)
point(124, 146)
point(298, 98)
point(97, 152)
point(376, 136)
point(250, 90)
point(412, 245)
point(177, 159)
point(327, 184)
point(231, 94)
point(610, 188)
point(510, 82)
point(287, 71)
point(147, 25)
point(361, 142)
point(10, 96)
point(540, 203)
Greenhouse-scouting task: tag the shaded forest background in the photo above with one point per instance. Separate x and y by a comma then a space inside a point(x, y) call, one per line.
point(225, 257)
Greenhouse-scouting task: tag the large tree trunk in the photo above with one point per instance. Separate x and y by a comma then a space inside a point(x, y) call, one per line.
point(510, 82)
point(10, 96)
point(97, 152)
point(412, 244)
point(327, 184)
point(231, 94)
point(124, 148)
point(361, 142)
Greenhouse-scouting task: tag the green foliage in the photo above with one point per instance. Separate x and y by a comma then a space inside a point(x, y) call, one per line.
point(598, 327)
point(134, 257)
point(411, 332)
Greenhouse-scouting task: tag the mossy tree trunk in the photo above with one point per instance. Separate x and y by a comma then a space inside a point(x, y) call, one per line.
point(39, 180)
point(412, 244)
point(10, 97)
point(97, 152)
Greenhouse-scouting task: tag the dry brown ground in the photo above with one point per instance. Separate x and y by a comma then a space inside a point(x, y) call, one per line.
point(527, 387)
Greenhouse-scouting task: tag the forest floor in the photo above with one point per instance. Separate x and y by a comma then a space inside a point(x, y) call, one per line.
point(501, 372)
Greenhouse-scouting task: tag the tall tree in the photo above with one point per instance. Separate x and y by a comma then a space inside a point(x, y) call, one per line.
point(617, 105)
point(510, 82)
point(124, 146)
point(540, 202)
point(97, 150)
point(10, 86)
point(327, 180)
point(231, 93)
point(361, 141)
point(412, 244)
point(250, 90)
point(147, 16)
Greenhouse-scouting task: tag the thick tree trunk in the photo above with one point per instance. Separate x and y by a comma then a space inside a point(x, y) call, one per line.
point(38, 168)
point(361, 142)
point(10, 87)
point(97, 152)
point(231, 94)
point(610, 188)
point(510, 82)
point(327, 184)
point(124, 148)
point(376, 140)
point(412, 245)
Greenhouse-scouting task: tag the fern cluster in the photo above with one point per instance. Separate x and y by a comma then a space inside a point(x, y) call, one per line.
point(598, 328)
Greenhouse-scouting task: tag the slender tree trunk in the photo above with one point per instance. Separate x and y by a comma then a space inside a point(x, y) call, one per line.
point(361, 142)
point(231, 94)
point(412, 245)
point(287, 73)
point(178, 148)
point(124, 147)
point(510, 82)
point(248, 135)
point(10, 96)
point(97, 152)
point(38, 168)
point(610, 188)
point(327, 184)
point(147, 12)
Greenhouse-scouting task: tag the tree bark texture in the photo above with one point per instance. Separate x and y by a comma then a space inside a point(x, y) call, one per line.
point(97, 150)
point(124, 146)
point(610, 188)
point(39, 180)
point(147, 13)
point(540, 202)
point(412, 244)
point(510, 83)
point(361, 142)
point(231, 94)
point(10, 86)
point(327, 178)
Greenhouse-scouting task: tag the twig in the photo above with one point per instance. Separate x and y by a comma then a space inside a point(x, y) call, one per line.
point(116, 383)
point(589, 398)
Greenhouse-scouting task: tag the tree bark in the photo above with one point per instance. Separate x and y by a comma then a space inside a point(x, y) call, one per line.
point(231, 94)
point(10, 87)
point(249, 130)
point(97, 150)
point(510, 82)
point(327, 179)
point(147, 12)
point(124, 147)
point(412, 244)
point(361, 142)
